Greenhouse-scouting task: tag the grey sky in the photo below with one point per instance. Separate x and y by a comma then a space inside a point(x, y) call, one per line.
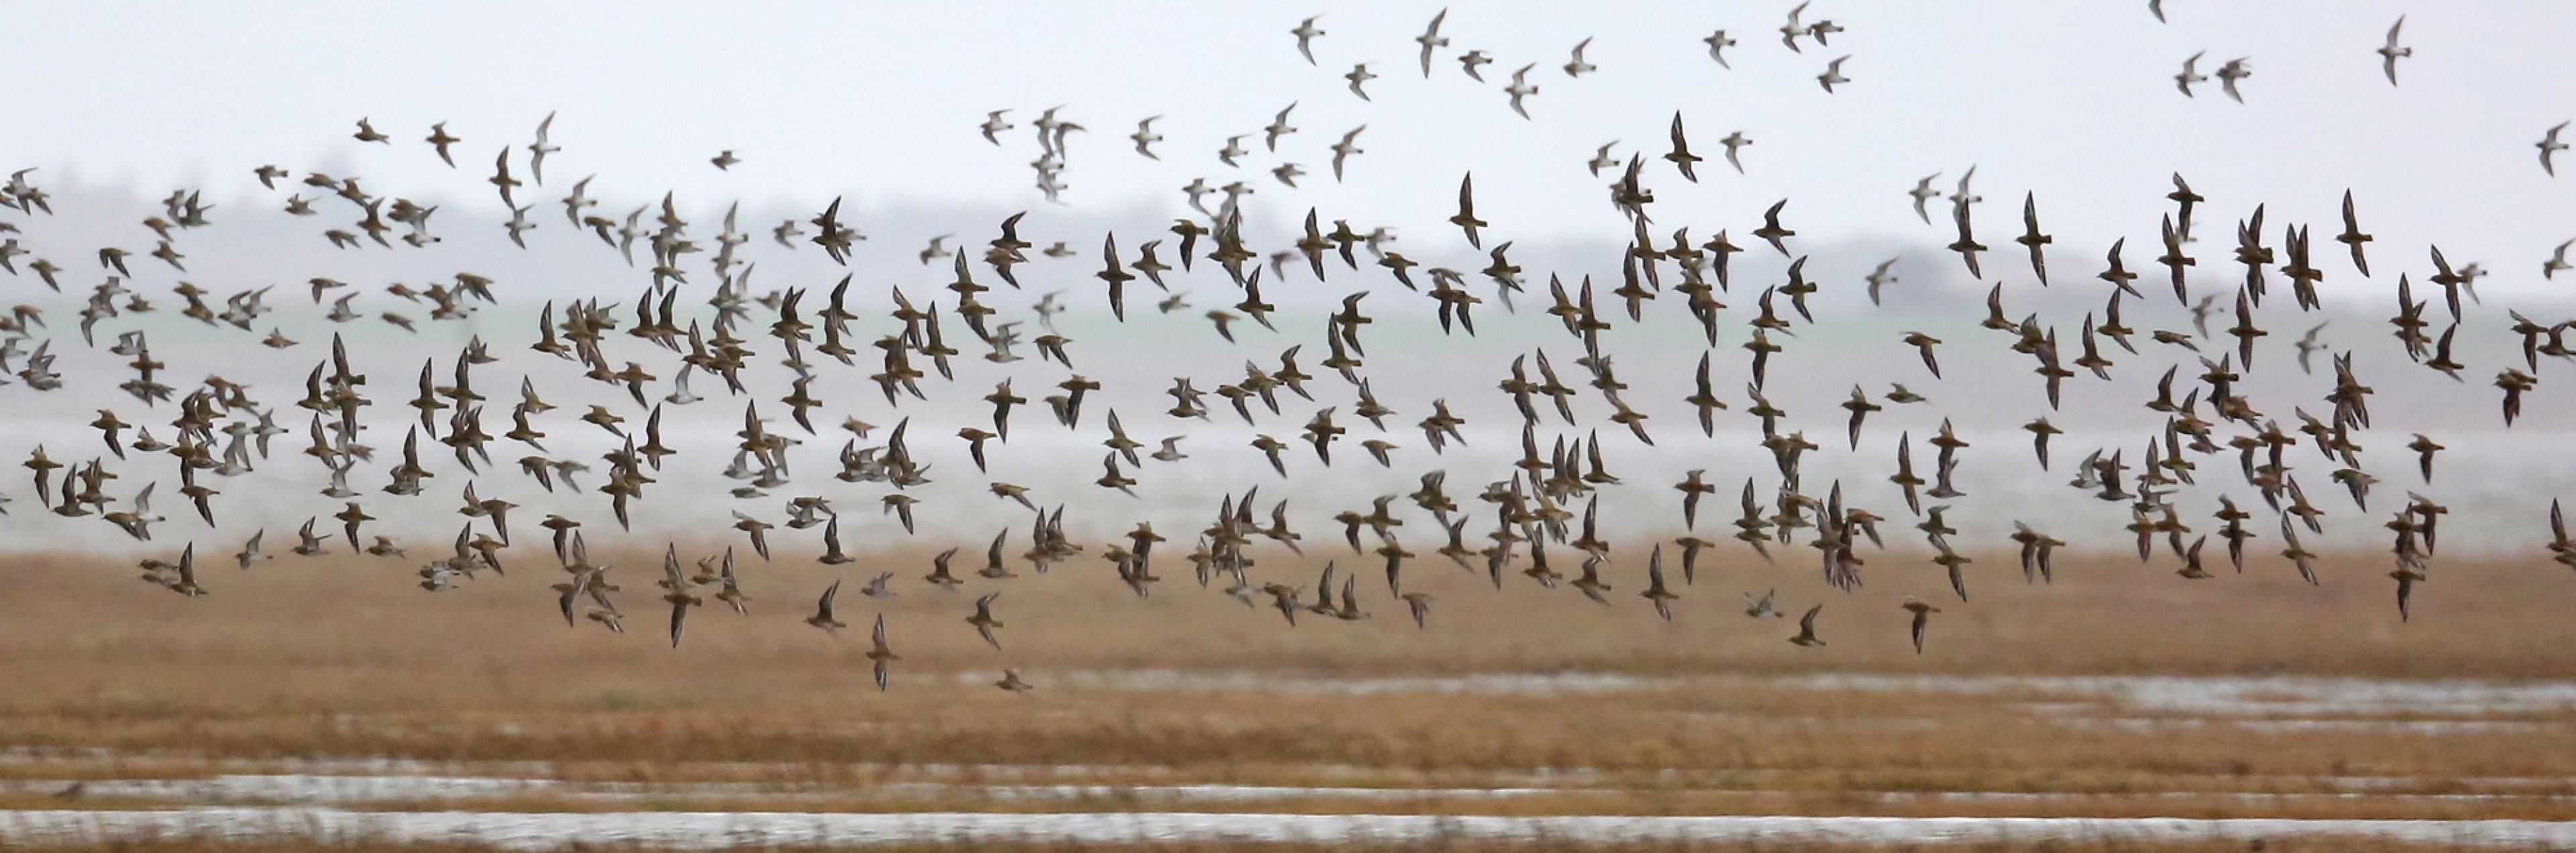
point(879, 101)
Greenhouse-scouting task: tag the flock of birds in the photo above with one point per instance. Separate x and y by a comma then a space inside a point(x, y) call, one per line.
point(1529, 524)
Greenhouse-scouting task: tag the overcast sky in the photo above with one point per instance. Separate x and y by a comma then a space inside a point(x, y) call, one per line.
point(880, 101)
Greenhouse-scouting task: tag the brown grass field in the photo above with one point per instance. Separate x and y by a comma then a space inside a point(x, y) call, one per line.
point(303, 661)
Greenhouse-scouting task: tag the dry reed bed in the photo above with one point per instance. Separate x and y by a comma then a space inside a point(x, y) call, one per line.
point(340, 657)
point(384, 644)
